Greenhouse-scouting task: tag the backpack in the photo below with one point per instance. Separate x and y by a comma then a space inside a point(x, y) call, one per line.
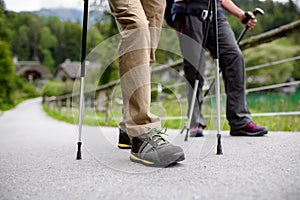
point(168, 14)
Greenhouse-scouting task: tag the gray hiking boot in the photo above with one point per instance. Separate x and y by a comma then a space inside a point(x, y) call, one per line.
point(152, 149)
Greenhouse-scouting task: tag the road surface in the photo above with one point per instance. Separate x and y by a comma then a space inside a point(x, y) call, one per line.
point(37, 161)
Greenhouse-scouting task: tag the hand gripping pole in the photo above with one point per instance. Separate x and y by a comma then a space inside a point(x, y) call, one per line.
point(255, 12)
point(248, 17)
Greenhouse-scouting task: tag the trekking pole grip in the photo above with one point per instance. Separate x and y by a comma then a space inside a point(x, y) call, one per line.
point(246, 19)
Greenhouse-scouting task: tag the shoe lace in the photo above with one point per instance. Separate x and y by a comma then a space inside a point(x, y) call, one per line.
point(155, 135)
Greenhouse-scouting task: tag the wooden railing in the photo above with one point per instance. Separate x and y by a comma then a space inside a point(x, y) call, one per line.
point(101, 97)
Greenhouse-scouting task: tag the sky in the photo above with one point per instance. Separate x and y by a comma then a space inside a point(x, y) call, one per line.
point(32, 5)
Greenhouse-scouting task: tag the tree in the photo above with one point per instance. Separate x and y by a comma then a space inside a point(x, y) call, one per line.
point(21, 45)
point(7, 75)
point(94, 37)
point(2, 5)
point(34, 25)
point(274, 51)
point(3, 23)
point(47, 41)
point(71, 40)
point(56, 27)
point(276, 14)
point(6, 66)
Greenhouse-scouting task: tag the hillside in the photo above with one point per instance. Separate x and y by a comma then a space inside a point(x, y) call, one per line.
point(64, 14)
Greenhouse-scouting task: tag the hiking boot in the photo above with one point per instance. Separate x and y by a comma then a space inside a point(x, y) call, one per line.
point(251, 129)
point(152, 149)
point(124, 140)
point(196, 131)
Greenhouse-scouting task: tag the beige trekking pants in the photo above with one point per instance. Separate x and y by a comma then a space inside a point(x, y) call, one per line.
point(139, 23)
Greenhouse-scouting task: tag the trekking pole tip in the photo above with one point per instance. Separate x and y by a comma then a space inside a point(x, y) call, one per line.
point(219, 145)
point(186, 135)
point(182, 130)
point(78, 156)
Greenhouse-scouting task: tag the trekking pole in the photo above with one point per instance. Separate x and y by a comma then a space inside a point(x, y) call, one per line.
point(83, 55)
point(217, 76)
point(196, 84)
point(248, 17)
point(217, 71)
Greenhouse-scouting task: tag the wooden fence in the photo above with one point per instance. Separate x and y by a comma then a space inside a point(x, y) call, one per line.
point(101, 97)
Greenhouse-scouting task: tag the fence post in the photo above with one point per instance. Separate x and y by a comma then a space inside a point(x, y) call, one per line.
point(68, 107)
point(100, 101)
point(47, 101)
point(108, 105)
point(59, 105)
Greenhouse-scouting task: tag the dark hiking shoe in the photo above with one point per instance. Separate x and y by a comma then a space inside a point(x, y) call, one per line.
point(196, 131)
point(251, 129)
point(124, 140)
point(152, 149)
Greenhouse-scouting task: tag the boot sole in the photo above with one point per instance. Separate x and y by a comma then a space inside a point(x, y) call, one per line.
point(135, 158)
point(124, 146)
point(243, 133)
point(196, 134)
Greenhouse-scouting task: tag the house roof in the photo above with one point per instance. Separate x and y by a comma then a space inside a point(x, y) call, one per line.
point(24, 66)
point(70, 68)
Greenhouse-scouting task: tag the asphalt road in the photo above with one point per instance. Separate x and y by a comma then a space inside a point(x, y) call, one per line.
point(37, 161)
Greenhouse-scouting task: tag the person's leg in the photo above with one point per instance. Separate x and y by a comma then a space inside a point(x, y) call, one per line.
point(148, 146)
point(154, 11)
point(134, 59)
point(190, 40)
point(233, 70)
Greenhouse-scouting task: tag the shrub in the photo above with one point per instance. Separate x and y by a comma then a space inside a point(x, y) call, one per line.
point(53, 88)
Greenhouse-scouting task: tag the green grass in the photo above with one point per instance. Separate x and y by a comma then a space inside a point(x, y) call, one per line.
point(258, 103)
point(276, 123)
point(90, 117)
point(17, 101)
